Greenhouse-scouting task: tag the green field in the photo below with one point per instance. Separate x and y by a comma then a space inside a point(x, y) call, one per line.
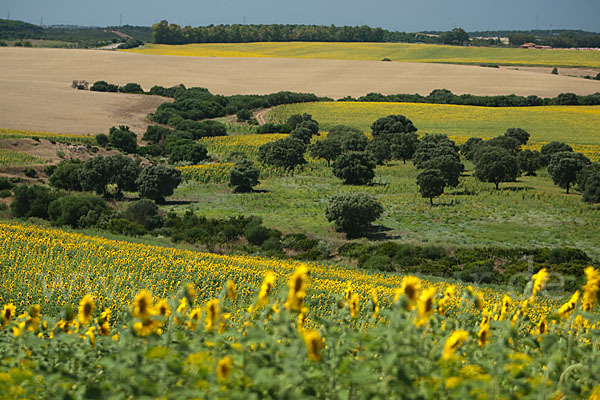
point(405, 52)
point(571, 124)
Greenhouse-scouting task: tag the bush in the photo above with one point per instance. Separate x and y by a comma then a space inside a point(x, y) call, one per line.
point(102, 86)
point(354, 168)
point(30, 173)
point(272, 245)
point(157, 182)
point(379, 262)
point(392, 124)
point(287, 153)
point(125, 227)
point(244, 115)
point(70, 210)
point(32, 201)
point(243, 176)
point(353, 213)
point(5, 183)
point(188, 151)
point(102, 139)
point(4, 193)
point(156, 134)
point(144, 213)
point(256, 234)
point(122, 138)
point(131, 88)
point(66, 175)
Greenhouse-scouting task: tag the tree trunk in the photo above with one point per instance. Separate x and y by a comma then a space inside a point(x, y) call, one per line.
point(497, 185)
point(404, 160)
point(431, 200)
point(567, 189)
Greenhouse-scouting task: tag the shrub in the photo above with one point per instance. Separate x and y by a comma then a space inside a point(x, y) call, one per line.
point(256, 234)
point(554, 147)
point(354, 168)
point(379, 262)
point(102, 139)
point(287, 153)
point(156, 134)
point(71, 209)
point(30, 173)
point(188, 151)
point(244, 115)
point(157, 182)
point(122, 138)
point(353, 213)
point(125, 227)
point(32, 201)
point(272, 245)
point(131, 88)
point(243, 176)
point(144, 213)
point(4, 193)
point(103, 86)
point(5, 183)
point(520, 134)
point(392, 124)
point(66, 175)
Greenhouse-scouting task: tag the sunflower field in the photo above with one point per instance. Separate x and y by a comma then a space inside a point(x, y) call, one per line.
point(17, 158)
point(576, 125)
point(57, 137)
point(407, 52)
point(87, 317)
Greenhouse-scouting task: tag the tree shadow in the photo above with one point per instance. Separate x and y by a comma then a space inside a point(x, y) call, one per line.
point(379, 233)
point(515, 188)
point(178, 202)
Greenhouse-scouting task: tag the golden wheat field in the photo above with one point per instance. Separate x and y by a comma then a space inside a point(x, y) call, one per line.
point(406, 52)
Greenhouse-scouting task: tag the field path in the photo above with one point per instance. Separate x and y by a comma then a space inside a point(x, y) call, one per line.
point(261, 115)
point(36, 93)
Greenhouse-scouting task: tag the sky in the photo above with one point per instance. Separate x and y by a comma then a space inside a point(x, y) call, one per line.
point(396, 15)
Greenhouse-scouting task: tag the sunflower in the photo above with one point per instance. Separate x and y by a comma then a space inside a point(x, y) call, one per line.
point(106, 315)
point(456, 339)
point(231, 290)
point(483, 337)
point(190, 293)
point(297, 289)
point(445, 301)
point(375, 302)
point(314, 344)
point(354, 305)
point(569, 306)
point(85, 310)
point(539, 281)
point(104, 329)
point(224, 368)
point(265, 288)
point(146, 327)
point(590, 289)
point(212, 314)
point(425, 306)
point(542, 327)
point(411, 287)
point(195, 315)
point(143, 306)
point(8, 312)
point(163, 308)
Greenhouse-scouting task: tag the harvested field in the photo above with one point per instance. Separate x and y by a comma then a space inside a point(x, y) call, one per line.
point(35, 83)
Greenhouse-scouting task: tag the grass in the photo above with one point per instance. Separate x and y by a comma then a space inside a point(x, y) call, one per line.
point(531, 212)
point(404, 52)
point(571, 124)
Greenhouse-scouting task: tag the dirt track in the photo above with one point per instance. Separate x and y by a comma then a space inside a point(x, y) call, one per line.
point(36, 92)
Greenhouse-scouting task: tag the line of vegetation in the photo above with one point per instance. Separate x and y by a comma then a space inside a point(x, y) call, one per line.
point(80, 37)
point(445, 96)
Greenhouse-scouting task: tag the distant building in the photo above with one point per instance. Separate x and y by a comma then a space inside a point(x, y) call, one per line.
point(534, 46)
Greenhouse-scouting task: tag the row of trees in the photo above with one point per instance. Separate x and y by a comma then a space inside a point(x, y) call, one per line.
point(154, 182)
point(445, 96)
point(163, 32)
